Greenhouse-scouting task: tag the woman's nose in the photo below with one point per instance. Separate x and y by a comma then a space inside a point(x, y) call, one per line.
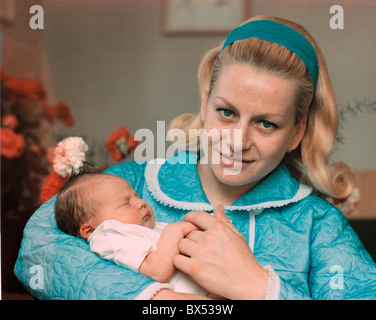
point(241, 138)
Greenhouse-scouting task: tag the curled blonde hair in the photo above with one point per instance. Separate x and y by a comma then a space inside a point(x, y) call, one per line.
point(309, 162)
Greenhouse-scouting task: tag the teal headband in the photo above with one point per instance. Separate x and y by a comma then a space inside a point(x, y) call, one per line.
point(279, 33)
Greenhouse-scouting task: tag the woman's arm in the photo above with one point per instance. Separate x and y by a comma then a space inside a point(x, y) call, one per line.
point(158, 264)
point(54, 265)
point(219, 259)
point(341, 268)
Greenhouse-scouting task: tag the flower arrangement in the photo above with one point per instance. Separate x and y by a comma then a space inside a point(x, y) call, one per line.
point(70, 155)
point(24, 106)
point(28, 130)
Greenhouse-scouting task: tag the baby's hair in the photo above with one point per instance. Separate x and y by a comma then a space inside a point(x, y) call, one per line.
point(76, 202)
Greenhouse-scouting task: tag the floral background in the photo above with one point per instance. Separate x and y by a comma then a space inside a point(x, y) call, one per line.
point(34, 165)
point(33, 168)
point(27, 135)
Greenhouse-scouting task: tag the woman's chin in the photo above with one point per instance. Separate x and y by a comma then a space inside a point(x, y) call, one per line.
point(233, 175)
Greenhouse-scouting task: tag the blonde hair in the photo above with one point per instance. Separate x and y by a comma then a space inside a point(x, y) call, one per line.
point(309, 162)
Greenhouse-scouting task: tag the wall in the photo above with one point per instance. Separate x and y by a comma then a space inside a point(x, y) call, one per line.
point(110, 62)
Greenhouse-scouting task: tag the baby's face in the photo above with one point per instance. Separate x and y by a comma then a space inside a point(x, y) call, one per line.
point(119, 201)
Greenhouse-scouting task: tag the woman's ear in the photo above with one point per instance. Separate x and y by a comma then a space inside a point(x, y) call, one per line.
point(86, 229)
point(299, 133)
point(204, 105)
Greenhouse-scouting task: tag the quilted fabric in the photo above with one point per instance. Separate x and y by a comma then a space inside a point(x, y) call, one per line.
point(70, 270)
point(306, 240)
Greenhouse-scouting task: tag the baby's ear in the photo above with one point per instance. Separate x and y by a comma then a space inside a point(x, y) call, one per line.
point(86, 229)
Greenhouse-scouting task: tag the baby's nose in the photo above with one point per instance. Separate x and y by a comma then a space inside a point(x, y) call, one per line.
point(139, 203)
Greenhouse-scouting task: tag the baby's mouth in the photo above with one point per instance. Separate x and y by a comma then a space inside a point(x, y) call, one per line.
point(147, 216)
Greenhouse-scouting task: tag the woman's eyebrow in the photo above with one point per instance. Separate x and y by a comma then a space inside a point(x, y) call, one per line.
point(229, 104)
point(260, 115)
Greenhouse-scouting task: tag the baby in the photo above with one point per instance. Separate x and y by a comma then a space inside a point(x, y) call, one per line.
point(119, 226)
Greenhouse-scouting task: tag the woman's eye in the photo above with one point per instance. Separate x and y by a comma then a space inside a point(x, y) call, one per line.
point(267, 125)
point(225, 113)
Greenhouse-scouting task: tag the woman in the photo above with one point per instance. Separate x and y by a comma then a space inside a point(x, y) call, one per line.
point(275, 237)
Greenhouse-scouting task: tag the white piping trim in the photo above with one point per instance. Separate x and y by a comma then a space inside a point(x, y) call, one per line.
point(252, 227)
point(151, 178)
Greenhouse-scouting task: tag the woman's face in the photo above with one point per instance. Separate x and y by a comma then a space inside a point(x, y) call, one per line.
point(261, 106)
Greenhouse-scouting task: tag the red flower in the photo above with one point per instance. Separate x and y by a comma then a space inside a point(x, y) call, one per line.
point(53, 184)
point(51, 112)
point(3, 77)
point(30, 89)
point(120, 143)
point(64, 114)
point(12, 144)
point(9, 121)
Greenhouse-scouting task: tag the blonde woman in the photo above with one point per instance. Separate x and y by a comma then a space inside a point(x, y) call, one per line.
point(265, 230)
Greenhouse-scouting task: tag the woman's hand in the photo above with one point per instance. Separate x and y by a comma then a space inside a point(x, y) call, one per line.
point(219, 258)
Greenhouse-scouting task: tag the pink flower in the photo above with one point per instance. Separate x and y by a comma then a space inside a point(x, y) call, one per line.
point(69, 156)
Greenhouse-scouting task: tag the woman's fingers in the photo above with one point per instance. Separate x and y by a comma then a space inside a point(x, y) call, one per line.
point(218, 257)
point(220, 214)
point(182, 263)
point(187, 247)
point(201, 219)
point(204, 220)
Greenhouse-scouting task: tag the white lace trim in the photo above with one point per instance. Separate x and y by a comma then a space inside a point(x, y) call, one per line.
point(273, 284)
point(303, 192)
point(152, 290)
point(151, 177)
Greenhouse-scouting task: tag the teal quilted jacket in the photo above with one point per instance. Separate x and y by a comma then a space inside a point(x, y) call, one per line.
point(307, 241)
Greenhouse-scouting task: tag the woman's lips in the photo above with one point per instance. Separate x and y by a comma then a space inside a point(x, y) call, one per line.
point(229, 161)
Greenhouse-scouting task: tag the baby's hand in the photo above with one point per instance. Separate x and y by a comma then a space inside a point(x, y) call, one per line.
point(179, 229)
point(158, 264)
point(187, 227)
